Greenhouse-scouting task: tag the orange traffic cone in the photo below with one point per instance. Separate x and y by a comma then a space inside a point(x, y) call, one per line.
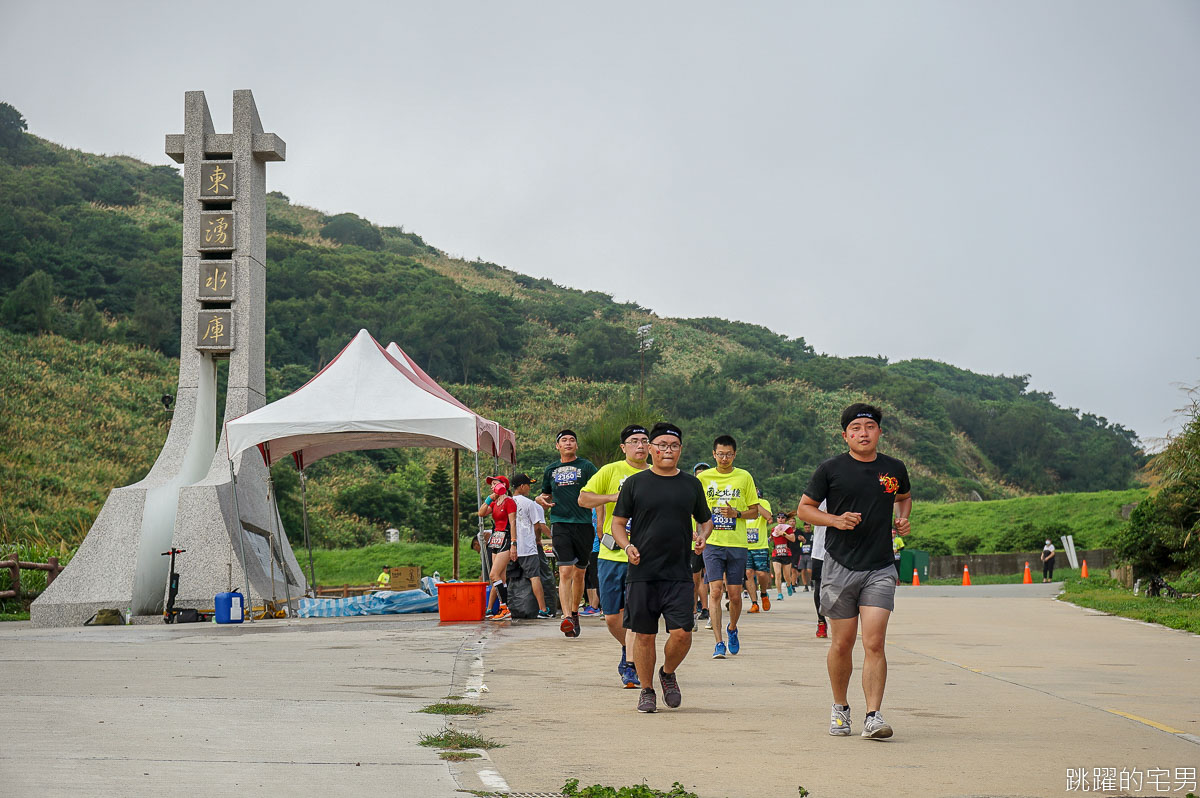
point(1028, 576)
point(1083, 571)
point(966, 576)
point(916, 579)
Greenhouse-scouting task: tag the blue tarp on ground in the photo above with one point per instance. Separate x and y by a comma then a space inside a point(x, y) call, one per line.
point(383, 602)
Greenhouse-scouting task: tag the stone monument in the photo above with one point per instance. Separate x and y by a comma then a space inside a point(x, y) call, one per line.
point(187, 500)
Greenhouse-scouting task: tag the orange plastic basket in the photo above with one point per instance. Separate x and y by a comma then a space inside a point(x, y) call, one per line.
point(461, 601)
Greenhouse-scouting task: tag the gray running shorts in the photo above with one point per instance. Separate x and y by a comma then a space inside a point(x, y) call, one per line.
point(843, 591)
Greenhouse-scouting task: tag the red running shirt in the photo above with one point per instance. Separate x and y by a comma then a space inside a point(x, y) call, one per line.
point(500, 511)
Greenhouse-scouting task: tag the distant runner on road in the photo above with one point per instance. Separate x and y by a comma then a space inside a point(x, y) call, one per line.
point(758, 557)
point(863, 489)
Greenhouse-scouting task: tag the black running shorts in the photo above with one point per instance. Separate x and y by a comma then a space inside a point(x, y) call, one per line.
point(572, 544)
point(646, 602)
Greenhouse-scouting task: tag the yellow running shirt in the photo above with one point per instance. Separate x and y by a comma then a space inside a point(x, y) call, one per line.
point(609, 479)
point(735, 489)
point(756, 529)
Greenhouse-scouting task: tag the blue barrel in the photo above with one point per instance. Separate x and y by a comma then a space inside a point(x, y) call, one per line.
point(230, 607)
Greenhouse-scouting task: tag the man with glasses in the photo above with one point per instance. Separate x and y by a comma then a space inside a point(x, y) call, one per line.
point(600, 493)
point(571, 530)
point(733, 499)
point(657, 506)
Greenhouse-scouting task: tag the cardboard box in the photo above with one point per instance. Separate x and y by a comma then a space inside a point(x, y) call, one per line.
point(406, 578)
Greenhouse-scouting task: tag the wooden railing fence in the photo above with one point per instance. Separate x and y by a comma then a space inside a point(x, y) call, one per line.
point(15, 567)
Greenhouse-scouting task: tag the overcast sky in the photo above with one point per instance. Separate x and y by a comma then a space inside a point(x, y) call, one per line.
point(1010, 187)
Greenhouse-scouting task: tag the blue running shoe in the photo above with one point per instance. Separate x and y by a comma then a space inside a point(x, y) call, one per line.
point(734, 645)
point(629, 677)
point(719, 651)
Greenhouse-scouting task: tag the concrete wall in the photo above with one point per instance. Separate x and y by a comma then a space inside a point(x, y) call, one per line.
point(952, 565)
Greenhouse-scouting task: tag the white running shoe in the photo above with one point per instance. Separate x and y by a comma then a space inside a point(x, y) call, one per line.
point(876, 727)
point(839, 722)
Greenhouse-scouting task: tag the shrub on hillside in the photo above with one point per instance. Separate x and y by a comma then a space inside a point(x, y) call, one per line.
point(348, 228)
point(934, 547)
point(1023, 537)
point(967, 544)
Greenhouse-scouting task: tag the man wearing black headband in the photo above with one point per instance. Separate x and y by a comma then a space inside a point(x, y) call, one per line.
point(657, 507)
point(867, 494)
point(571, 529)
point(601, 493)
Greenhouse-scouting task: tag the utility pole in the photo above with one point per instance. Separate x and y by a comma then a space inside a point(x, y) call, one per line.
point(644, 344)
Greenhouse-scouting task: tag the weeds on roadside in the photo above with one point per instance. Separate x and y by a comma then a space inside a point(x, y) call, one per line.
point(572, 790)
point(455, 709)
point(453, 740)
point(458, 756)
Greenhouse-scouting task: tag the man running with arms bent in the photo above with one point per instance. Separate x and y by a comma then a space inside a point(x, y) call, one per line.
point(863, 489)
point(660, 502)
point(601, 493)
point(571, 529)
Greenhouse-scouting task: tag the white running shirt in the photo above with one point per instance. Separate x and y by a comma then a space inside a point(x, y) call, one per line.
point(818, 551)
point(529, 513)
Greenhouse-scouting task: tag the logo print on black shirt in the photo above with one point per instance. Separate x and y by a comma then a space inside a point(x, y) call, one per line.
point(890, 484)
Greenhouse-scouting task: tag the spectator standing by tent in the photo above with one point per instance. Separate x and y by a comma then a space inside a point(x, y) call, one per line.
point(503, 510)
point(530, 525)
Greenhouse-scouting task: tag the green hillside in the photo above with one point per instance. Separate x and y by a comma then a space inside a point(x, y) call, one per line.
point(1022, 524)
point(89, 274)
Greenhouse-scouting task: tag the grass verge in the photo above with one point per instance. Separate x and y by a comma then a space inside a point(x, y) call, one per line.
point(1106, 595)
point(452, 740)
point(455, 709)
point(14, 616)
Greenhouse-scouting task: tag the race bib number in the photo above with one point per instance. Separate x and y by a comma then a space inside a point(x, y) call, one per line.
point(806, 548)
point(781, 550)
point(497, 539)
point(721, 522)
point(751, 535)
point(568, 475)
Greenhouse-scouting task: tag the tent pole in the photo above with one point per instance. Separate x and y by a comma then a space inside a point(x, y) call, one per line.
point(483, 562)
point(241, 533)
point(454, 523)
point(312, 580)
point(276, 530)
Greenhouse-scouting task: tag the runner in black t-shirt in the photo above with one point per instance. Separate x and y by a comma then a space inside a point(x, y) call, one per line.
point(862, 489)
point(661, 502)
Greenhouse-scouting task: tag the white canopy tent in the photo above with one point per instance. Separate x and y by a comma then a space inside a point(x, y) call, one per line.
point(366, 398)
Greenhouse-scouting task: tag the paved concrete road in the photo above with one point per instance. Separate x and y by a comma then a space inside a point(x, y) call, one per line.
point(315, 707)
point(993, 690)
point(990, 694)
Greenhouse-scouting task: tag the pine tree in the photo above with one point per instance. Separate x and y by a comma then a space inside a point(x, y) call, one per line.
point(439, 507)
